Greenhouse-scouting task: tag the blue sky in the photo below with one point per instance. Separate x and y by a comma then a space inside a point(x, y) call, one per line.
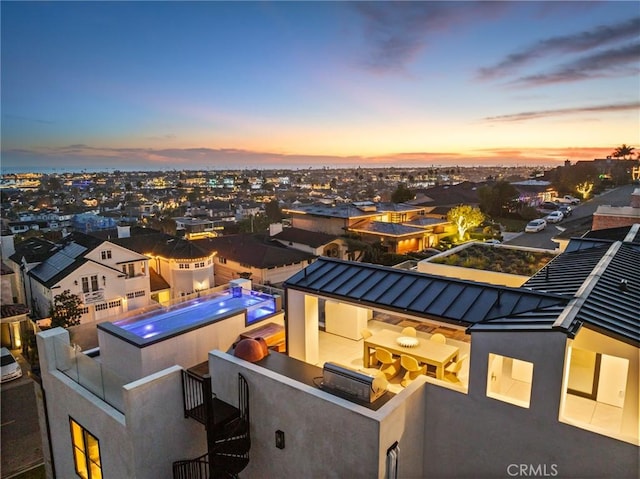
point(297, 84)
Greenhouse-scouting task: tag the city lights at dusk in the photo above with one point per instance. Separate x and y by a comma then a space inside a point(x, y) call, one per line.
point(156, 85)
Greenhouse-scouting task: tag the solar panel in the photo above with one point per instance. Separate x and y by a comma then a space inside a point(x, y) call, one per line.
point(52, 266)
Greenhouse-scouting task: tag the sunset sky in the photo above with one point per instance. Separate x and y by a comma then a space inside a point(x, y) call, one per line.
point(163, 85)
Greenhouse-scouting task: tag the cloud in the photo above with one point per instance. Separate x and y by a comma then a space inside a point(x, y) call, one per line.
point(396, 32)
point(533, 115)
point(613, 62)
point(26, 119)
point(575, 43)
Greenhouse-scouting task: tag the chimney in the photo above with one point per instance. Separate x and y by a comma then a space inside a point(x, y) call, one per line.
point(124, 231)
point(6, 244)
point(275, 228)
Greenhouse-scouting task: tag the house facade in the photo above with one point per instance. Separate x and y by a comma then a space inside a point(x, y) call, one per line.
point(108, 278)
point(398, 228)
point(549, 384)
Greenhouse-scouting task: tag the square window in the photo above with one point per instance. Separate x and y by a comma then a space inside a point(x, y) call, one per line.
point(509, 380)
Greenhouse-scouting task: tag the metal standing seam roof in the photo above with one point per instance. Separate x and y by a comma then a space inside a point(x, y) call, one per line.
point(386, 228)
point(612, 303)
point(456, 301)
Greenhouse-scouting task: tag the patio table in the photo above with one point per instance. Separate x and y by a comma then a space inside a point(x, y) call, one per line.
point(426, 351)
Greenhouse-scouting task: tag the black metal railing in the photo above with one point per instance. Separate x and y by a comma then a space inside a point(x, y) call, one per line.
point(194, 391)
point(197, 468)
point(228, 435)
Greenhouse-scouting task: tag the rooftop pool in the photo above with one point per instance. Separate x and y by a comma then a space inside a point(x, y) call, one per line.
point(151, 326)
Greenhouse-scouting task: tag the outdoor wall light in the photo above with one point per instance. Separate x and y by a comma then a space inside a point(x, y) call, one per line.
point(104, 281)
point(76, 282)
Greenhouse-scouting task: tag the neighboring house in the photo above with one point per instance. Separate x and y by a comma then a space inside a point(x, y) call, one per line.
point(108, 278)
point(195, 228)
point(254, 257)
point(313, 242)
point(183, 265)
point(534, 192)
point(389, 224)
point(26, 255)
point(606, 216)
point(14, 316)
point(550, 384)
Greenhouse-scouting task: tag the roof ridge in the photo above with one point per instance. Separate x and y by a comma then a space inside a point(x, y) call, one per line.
point(568, 315)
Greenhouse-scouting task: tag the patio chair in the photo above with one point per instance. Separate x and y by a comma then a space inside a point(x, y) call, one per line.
point(389, 365)
point(451, 372)
point(366, 333)
point(438, 338)
point(409, 331)
point(412, 368)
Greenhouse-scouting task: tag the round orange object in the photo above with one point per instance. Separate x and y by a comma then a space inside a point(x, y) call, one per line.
point(249, 350)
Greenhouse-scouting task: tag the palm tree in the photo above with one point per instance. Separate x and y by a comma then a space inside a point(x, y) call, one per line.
point(623, 151)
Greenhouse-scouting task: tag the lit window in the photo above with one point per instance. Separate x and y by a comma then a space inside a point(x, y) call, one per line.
point(509, 380)
point(86, 452)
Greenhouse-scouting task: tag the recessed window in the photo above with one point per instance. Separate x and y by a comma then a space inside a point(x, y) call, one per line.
point(89, 283)
point(509, 380)
point(222, 260)
point(106, 254)
point(86, 452)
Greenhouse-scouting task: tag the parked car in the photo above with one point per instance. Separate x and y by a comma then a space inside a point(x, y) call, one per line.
point(566, 210)
point(535, 226)
point(554, 217)
point(10, 367)
point(549, 205)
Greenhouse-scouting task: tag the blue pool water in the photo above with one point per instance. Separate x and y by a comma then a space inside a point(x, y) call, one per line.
point(201, 310)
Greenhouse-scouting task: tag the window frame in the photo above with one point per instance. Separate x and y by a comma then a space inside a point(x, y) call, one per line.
point(86, 463)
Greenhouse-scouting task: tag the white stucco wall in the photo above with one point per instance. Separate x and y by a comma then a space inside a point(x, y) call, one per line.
point(186, 350)
point(471, 274)
point(465, 434)
point(325, 436)
point(140, 442)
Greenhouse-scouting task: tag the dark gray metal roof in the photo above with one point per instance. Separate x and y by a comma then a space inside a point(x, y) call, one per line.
point(566, 273)
point(352, 210)
point(392, 229)
point(611, 302)
point(452, 300)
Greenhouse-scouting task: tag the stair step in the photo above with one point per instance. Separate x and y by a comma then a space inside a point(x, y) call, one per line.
point(235, 446)
point(229, 464)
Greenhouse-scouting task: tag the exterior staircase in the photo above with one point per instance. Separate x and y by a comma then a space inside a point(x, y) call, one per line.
point(228, 430)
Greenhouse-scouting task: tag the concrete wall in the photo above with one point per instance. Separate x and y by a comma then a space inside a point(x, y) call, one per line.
point(185, 350)
point(65, 399)
point(325, 436)
point(142, 442)
point(465, 434)
point(480, 275)
point(157, 428)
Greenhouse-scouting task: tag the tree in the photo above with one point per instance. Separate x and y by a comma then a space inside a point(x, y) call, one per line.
point(66, 310)
point(465, 217)
point(496, 198)
point(623, 151)
point(402, 194)
point(273, 211)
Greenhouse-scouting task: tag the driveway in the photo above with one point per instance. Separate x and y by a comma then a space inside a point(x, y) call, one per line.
point(580, 220)
point(20, 429)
